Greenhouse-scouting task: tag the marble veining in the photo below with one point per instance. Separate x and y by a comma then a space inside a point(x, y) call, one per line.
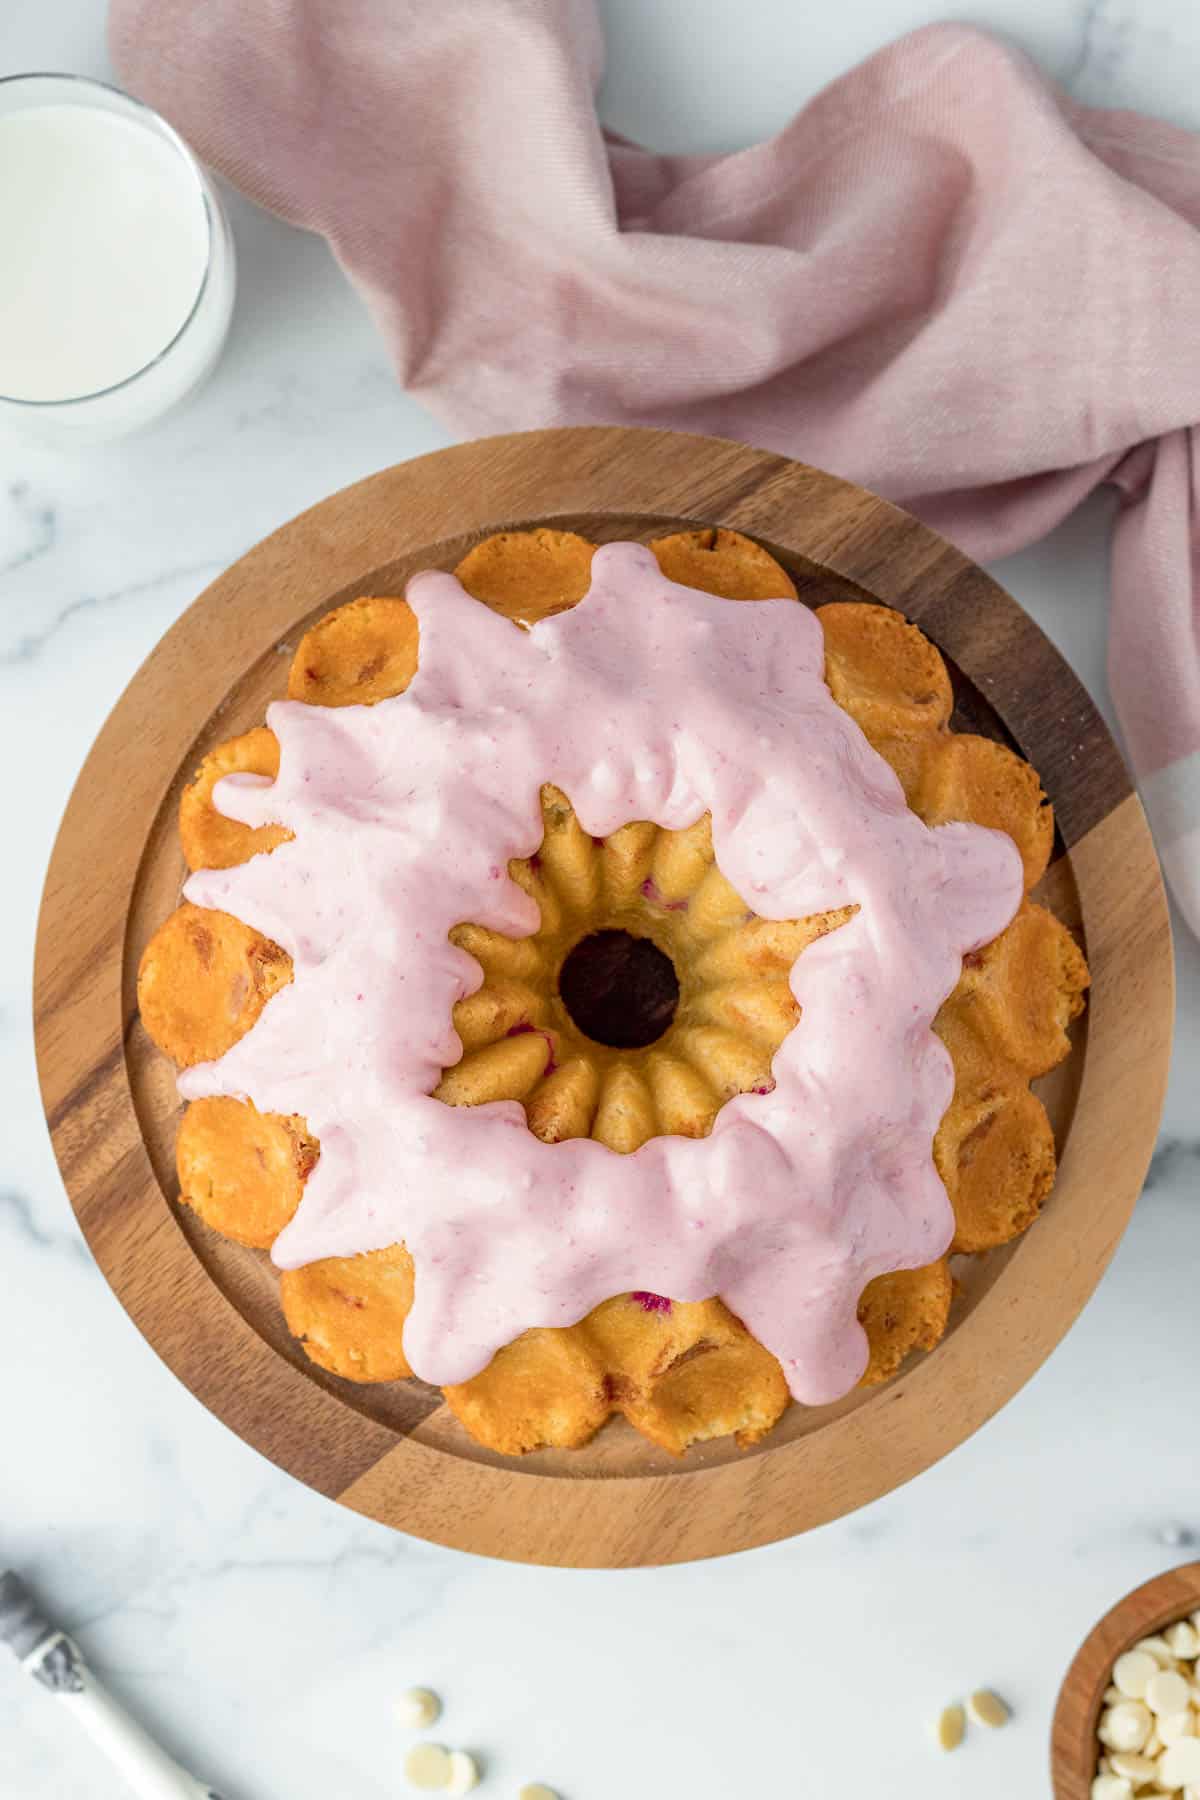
point(1175, 1160)
point(34, 528)
point(17, 1210)
point(261, 1631)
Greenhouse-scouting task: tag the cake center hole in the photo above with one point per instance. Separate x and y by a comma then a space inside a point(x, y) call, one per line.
point(619, 989)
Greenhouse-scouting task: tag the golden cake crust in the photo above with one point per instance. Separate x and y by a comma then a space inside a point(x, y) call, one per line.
point(243, 1171)
point(203, 980)
point(349, 1312)
point(528, 575)
point(723, 563)
point(904, 1312)
point(680, 1372)
point(357, 655)
point(209, 839)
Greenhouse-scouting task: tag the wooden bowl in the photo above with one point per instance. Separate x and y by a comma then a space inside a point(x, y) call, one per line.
point(1074, 1748)
point(211, 1309)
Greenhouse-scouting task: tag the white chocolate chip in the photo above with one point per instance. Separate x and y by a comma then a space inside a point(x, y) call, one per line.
point(1179, 1765)
point(1113, 1696)
point(1158, 1648)
point(1153, 1743)
point(1167, 1692)
point(1132, 1671)
point(1184, 1640)
point(1125, 1727)
point(464, 1774)
point(418, 1709)
point(1138, 1769)
point(427, 1766)
point(1111, 1787)
point(534, 1790)
point(951, 1725)
point(1173, 1726)
point(987, 1708)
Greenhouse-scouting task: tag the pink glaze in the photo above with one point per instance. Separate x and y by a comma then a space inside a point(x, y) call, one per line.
point(646, 701)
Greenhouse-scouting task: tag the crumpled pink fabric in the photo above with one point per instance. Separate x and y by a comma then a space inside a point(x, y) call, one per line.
point(944, 279)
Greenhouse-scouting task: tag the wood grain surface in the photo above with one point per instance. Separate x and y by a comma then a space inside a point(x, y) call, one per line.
point(1074, 1750)
point(210, 1308)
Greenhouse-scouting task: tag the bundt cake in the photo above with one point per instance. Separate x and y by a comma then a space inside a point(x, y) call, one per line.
point(627, 992)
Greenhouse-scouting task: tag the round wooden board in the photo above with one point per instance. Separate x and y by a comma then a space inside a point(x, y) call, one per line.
point(1074, 1749)
point(211, 1309)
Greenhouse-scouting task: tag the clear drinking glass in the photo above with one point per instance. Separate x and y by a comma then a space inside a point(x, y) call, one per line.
point(173, 321)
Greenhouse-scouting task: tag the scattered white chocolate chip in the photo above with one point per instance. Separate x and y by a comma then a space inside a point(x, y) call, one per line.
point(1166, 1692)
point(452, 1772)
point(951, 1726)
point(1132, 1671)
point(1111, 1787)
point(427, 1766)
point(988, 1708)
point(464, 1774)
point(418, 1709)
point(1125, 1727)
point(1173, 1726)
point(1138, 1769)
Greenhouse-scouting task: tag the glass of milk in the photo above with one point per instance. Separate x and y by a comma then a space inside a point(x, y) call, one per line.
point(116, 262)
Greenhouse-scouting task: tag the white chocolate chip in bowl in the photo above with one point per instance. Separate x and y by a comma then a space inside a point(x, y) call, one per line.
point(1112, 1787)
point(1167, 1692)
point(1137, 1769)
point(1179, 1765)
point(1173, 1726)
point(1131, 1673)
point(1125, 1726)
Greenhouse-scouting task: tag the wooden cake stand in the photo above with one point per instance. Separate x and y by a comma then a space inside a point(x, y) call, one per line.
point(211, 1309)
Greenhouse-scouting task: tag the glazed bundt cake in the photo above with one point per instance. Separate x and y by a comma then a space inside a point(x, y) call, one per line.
point(618, 997)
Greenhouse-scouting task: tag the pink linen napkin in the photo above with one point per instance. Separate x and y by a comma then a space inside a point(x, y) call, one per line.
point(944, 279)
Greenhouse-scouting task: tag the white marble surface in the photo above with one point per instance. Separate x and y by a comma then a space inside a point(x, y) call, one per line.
point(258, 1627)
